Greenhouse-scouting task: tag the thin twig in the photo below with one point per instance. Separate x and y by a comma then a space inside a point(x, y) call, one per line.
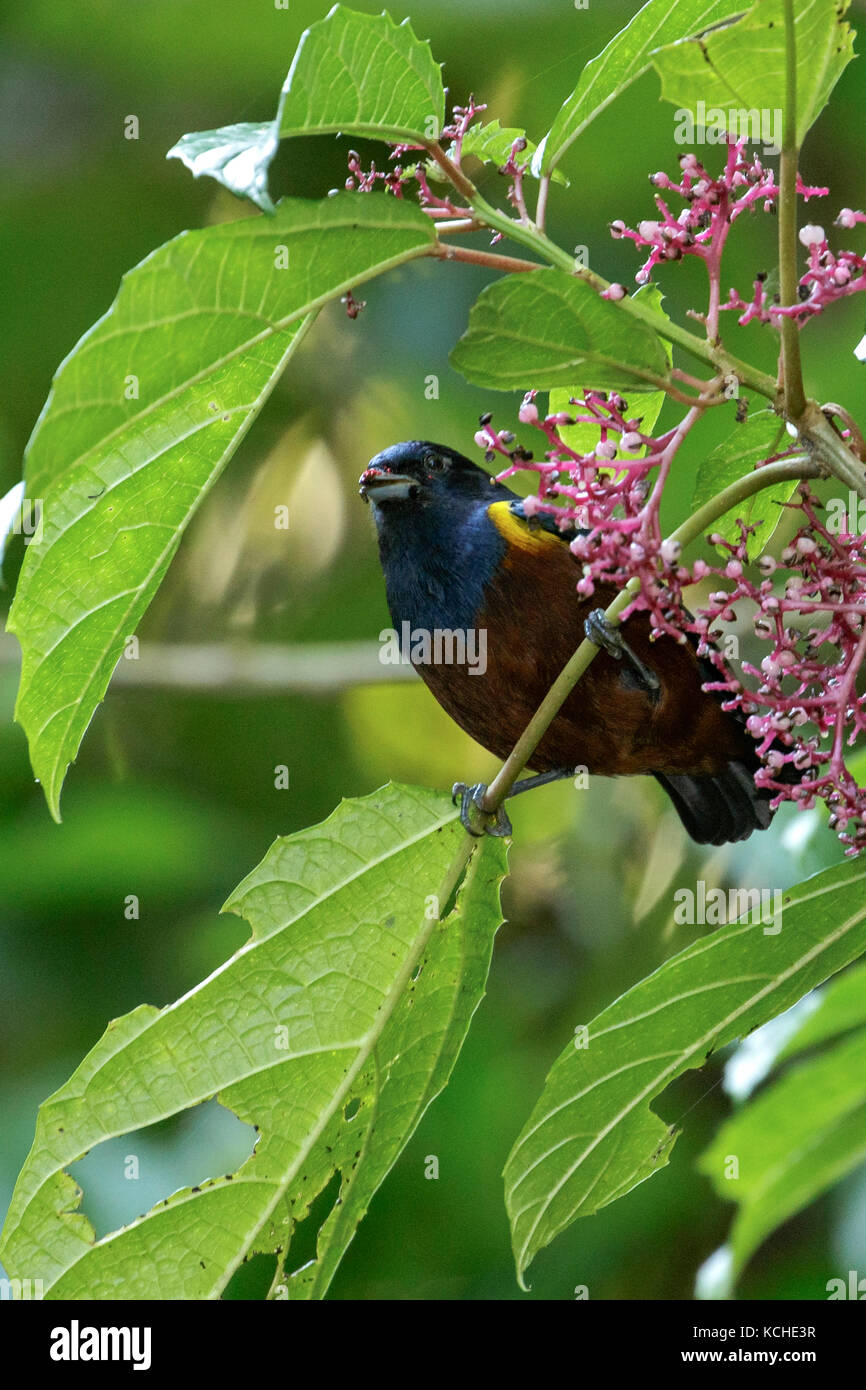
point(541, 204)
point(472, 256)
point(795, 395)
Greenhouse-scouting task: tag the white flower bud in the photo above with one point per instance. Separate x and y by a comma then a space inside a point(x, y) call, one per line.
point(811, 234)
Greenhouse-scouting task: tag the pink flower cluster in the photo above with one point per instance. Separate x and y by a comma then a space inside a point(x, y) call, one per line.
point(829, 277)
point(415, 168)
point(810, 610)
point(712, 206)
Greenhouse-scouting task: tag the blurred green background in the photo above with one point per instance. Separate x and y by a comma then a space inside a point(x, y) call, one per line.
point(173, 797)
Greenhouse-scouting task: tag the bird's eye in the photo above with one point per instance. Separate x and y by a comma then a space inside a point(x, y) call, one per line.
point(434, 461)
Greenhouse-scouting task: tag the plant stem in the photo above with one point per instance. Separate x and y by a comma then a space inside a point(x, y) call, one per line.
point(458, 224)
point(475, 257)
point(795, 396)
point(541, 204)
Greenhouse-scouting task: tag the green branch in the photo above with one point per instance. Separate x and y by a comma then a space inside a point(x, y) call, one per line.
point(792, 370)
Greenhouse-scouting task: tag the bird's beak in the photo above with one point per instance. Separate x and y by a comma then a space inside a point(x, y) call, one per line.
point(383, 486)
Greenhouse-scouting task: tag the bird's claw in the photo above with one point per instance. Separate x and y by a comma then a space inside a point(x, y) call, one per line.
point(607, 635)
point(473, 817)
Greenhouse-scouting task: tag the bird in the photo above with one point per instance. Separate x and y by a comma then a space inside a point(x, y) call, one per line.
point(460, 555)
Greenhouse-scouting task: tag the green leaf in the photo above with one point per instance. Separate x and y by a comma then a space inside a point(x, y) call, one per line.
point(142, 417)
point(793, 1142)
point(623, 60)
point(237, 156)
point(357, 74)
point(492, 144)
point(840, 1008)
point(758, 436)
point(741, 68)
point(545, 329)
point(583, 438)
point(592, 1135)
point(331, 1029)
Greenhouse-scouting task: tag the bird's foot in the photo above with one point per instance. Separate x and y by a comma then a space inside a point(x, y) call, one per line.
point(608, 636)
point(473, 816)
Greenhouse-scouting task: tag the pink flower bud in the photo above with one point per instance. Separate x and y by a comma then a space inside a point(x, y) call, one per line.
point(528, 413)
point(631, 442)
point(806, 545)
point(847, 218)
point(605, 451)
point(614, 292)
point(649, 230)
point(481, 439)
point(841, 275)
point(617, 227)
point(670, 551)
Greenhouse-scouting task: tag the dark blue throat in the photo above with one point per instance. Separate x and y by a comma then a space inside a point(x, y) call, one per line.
point(438, 560)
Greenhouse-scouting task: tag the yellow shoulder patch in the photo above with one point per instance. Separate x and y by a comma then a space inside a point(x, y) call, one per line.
point(517, 531)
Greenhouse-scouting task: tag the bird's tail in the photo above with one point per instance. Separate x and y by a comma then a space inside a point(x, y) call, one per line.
point(721, 808)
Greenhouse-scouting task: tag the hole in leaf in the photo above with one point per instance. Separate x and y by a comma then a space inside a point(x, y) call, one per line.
point(351, 1108)
point(306, 1233)
point(251, 1280)
point(124, 1177)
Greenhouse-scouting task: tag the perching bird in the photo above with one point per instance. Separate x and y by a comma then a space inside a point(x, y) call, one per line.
point(459, 554)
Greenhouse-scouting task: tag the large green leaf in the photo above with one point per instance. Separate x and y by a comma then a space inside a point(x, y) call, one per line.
point(786, 1147)
point(331, 1030)
point(623, 60)
point(592, 1135)
point(358, 74)
point(748, 444)
point(583, 438)
point(742, 67)
point(143, 415)
point(545, 328)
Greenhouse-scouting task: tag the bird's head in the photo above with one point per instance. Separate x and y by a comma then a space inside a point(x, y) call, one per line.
point(417, 475)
